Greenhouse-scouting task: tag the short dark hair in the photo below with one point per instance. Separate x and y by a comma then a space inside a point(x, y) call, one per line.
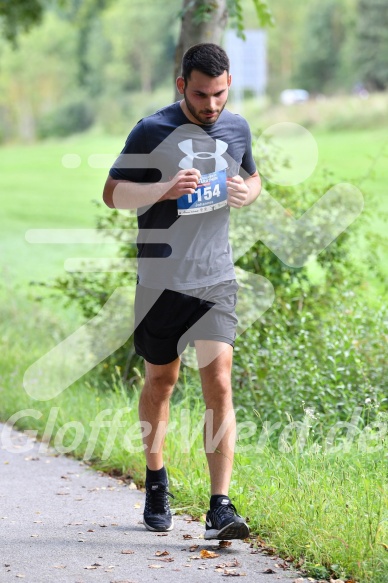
point(208, 58)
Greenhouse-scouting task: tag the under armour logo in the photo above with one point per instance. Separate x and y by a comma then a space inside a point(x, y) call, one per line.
point(187, 147)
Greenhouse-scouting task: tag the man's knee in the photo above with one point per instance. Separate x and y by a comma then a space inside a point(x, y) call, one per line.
point(160, 380)
point(218, 391)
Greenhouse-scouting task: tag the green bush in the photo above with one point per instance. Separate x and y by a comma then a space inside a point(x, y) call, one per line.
point(69, 118)
point(327, 362)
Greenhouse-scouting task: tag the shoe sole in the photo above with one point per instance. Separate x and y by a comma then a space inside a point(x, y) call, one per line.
point(229, 532)
point(163, 529)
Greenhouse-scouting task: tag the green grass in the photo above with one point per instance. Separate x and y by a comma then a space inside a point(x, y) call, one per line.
point(40, 193)
point(325, 508)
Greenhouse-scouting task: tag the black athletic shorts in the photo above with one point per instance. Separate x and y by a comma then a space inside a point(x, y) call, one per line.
point(167, 321)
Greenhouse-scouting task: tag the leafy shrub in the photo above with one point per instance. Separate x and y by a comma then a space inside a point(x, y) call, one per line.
point(328, 361)
point(69, 118)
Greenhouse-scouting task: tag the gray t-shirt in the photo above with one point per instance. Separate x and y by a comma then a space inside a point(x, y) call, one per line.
point(184, 244)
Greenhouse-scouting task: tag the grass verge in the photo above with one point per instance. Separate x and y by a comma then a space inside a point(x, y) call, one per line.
point(325, 507)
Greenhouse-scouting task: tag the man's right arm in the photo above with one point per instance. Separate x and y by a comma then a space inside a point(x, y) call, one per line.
point(123, 194)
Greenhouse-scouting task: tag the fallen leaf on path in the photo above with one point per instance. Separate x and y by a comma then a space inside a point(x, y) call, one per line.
point(193, 548)
point(187, 536)
point(228, 573)
point(161, 553)
point(283, 566)
point(208, 554)
point(155, 566)
point(127, 552)
point(269, 572)
point(90, 567)
point(59, 566)
point(161, 534)
point(233, 563)
point(224, 543)
point(20, 576)
point(137, 505)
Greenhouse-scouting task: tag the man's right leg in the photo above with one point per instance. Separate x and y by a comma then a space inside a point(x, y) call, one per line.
point(154, 408)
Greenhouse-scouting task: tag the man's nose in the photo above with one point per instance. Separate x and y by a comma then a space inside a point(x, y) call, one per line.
point(212, 103)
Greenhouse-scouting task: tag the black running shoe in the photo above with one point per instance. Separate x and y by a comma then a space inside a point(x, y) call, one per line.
point(157, 514)
point(223, 522)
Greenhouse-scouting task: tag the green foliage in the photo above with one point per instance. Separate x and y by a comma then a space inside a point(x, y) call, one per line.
point(321, 47)
point(38, 75)
point(19, 15)
point(372, 43)
point(325, 358)
point(236, 15)
point(68, 118)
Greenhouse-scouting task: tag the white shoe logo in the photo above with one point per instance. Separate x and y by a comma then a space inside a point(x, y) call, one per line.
point(187, 147)
point(209, 523)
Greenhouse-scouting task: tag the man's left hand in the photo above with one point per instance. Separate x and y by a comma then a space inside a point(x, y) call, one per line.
point(238, 191)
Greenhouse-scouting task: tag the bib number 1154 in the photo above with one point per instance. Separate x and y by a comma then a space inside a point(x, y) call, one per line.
point(207, 193)
point(211, 194)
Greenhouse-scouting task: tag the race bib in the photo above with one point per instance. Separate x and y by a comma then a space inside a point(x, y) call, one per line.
point(211, 194)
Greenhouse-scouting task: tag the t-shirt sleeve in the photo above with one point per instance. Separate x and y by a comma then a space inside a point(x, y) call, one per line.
point(248, 164)
point(127, 167)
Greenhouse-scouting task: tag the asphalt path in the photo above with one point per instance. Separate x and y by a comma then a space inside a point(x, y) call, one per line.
point(62, 522)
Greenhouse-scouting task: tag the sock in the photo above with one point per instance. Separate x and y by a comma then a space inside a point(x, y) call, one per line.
point(156, 475)
point(215, 498)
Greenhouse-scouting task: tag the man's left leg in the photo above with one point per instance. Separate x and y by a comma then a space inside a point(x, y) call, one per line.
point(222, 520)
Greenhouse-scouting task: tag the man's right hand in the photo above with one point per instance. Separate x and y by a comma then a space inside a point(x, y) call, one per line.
point(184, 182)
point(123, 194)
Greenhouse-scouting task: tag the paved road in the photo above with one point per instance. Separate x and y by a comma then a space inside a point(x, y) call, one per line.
point(61, 522)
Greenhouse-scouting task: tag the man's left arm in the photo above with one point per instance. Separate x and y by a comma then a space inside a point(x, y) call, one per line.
point(243, 192)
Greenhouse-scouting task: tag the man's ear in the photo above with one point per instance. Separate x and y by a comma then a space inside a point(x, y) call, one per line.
point(229, 80)
point(180, 85)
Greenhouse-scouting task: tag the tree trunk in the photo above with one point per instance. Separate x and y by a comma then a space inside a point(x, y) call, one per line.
point(202, 22)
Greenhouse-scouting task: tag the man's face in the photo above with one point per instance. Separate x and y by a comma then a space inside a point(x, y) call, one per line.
point(204, 97)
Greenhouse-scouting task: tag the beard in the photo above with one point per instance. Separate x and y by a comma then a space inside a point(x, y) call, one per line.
point(200, 114)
